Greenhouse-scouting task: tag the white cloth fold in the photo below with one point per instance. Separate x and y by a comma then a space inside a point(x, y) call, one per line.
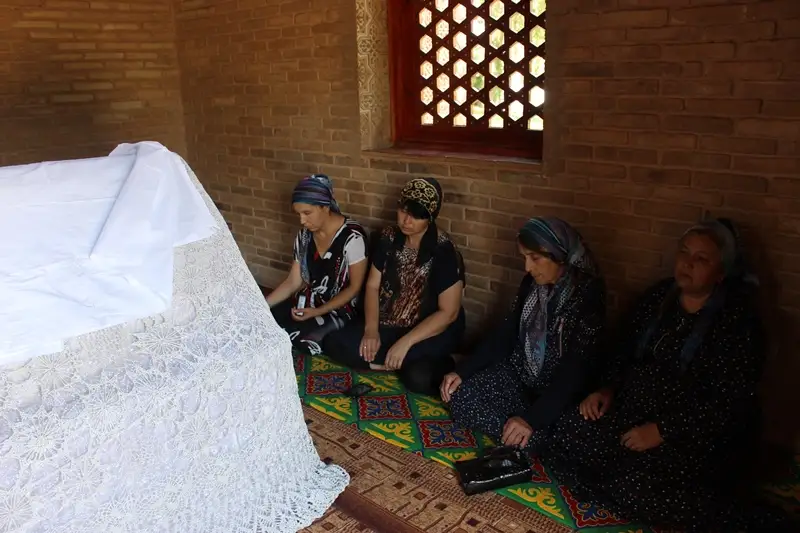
point(88, 244)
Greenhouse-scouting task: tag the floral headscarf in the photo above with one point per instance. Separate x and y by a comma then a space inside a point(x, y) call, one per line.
point(426, 192)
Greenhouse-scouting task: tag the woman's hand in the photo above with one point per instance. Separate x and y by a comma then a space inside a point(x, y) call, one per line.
point(517, 432)
point(643, 438)
point(450, 384)
point(291, 285)
point(397, 354)
point(307, 313)
point(370, 344)
point(596, 404)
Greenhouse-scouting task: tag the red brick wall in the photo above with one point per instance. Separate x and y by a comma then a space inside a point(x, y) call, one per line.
point(657, 110)
point(77, 77)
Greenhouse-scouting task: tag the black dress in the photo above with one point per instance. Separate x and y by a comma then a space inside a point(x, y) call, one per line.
point(324, 277)
point(494, 386)
point(706, 413)
point(408, 295)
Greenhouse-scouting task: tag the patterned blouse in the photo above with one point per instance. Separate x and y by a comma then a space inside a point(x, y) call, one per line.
point(410, 293)
point(326, 276)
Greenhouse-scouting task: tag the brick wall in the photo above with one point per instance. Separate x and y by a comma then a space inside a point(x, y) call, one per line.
point(77, 77)
point(657, 111)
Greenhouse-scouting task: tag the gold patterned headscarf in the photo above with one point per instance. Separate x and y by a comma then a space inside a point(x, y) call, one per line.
point(426, 192)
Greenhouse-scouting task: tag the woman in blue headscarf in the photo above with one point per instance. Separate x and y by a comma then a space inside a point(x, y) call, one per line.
point(672, 420)
point(319, 295)
point(523, 376)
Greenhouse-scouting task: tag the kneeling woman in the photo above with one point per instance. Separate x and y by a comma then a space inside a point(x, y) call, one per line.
point(534, 366)
point(413, 317)
point(668, 429)
point(320, 293)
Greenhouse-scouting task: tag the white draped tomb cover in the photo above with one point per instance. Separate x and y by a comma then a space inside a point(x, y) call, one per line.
point(144, 385)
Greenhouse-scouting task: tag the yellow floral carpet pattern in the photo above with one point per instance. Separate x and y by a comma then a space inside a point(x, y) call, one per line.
point(421, 425)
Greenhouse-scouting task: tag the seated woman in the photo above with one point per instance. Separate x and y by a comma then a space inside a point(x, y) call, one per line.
point(319, 295)
point(524, 375)
point(413, 317)
point(661, 439)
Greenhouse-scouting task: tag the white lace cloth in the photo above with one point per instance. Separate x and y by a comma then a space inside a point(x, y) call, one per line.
point(183, 422)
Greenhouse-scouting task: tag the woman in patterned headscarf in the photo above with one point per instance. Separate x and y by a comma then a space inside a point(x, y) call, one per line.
point(413, 317)
point(674, 416)
point(319, 294)
point(534, 366)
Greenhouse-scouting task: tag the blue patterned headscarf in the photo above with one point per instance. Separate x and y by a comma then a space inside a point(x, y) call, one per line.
point(316, 189)
point(565, 245)
point(561, 241)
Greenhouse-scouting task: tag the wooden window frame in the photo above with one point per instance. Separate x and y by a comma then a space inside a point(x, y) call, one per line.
point(405, 59)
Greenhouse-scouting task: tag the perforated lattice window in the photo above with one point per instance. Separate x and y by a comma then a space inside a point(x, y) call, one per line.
point(469, 74)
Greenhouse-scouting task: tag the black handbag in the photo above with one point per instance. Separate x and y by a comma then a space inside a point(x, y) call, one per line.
point(499, 468)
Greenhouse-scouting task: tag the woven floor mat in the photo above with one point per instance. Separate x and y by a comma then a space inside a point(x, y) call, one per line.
point(393, 491)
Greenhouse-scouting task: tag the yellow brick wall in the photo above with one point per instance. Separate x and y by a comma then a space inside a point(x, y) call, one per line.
point(77, 77)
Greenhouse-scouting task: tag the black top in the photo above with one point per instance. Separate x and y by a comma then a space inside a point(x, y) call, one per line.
point(573, 337)
point(328, 275)
point(706, 411)
point(410, 295)
point(714, 396)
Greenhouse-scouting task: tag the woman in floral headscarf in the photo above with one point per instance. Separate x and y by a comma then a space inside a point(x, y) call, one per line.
point(535, 364)
point(319, 294)
point(413, 317)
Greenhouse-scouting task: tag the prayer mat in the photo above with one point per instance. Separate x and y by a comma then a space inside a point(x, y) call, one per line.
point(421, 425)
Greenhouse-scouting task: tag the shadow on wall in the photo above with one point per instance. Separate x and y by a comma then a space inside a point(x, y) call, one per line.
point(77, 82)
point(42, 118)
point(782, 382)
point(781, 379)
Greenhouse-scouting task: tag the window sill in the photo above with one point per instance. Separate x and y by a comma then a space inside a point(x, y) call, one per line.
point(456, 158)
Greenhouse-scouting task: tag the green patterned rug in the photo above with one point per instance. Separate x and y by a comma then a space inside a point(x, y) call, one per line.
point(421, 425)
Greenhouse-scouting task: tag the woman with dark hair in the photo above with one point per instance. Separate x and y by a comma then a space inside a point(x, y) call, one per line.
point(524, 375)
point(663, 438)
point(413, 317)
point(320, 293)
